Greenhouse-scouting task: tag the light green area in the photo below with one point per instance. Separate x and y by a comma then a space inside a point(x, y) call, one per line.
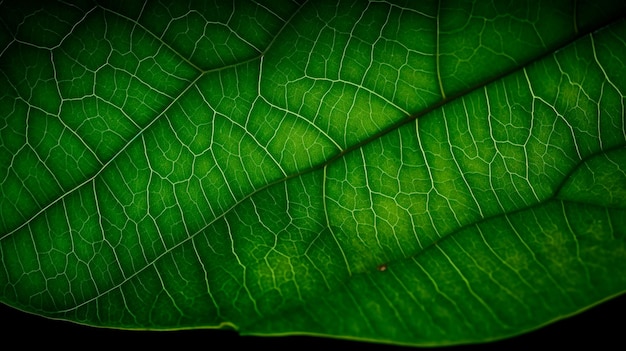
point(408, 172)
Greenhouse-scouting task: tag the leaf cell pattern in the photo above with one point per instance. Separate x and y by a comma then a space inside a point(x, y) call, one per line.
point(413, 172)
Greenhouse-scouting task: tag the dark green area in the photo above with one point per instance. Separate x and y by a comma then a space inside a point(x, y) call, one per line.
point(408, 172)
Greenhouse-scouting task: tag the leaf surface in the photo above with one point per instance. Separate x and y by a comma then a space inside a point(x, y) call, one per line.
point(418, 173)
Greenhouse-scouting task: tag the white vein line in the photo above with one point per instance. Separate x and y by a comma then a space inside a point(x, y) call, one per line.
point(280, 31)
point(503, 261)
point(312, 124)
point(246, 132)
point(359, 87)
point(105, 165)
point(401, 191)
point(437, 55)
point(420, 304)
point(148, 201)
point(393, 5)
point(161, 41)
point(369, 190)
point(577, 244)
point(607, 79)
point(430, 177)
point(219, 168)
point(104, 238)
point(206, 278)
point(452, 301)
point(190, 237)
point(401, 317)
point(324, 196)
point(165, 290)
point(490, 275)
point(71, 31)
point(557, 113)
point(233, 251)
point(456, 162)
point(532, 252)
point(72, 131)
point(469, 287)
point(496, 153)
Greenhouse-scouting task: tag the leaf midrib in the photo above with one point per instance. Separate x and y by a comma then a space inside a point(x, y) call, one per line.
point(142, 131)
point(393, 127)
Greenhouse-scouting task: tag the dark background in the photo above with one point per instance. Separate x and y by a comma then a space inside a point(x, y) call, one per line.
point(599, 328)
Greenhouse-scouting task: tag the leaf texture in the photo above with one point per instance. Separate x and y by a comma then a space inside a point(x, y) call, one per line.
point(423, 173)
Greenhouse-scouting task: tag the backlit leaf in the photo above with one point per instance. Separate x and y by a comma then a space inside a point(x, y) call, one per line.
point(410, 172)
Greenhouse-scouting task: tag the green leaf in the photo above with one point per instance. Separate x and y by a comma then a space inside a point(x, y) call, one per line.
point(413, 172)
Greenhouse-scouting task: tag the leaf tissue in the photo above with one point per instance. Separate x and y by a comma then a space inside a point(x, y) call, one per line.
point(408, 172)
